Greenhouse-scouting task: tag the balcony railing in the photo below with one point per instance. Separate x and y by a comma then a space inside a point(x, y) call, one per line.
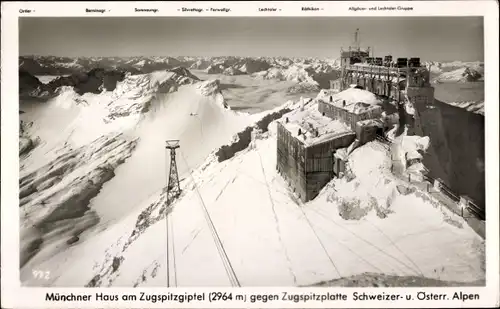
point(373, 69)
point(376, 69)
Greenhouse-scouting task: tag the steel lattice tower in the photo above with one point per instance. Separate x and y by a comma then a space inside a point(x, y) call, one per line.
point(173, 187)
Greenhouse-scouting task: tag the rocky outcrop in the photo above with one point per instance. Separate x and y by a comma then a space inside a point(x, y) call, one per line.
point(94, 81)
point(184, 74)
point(303, 87)
point(200, 65)
point(251, 66)
point(309, 78)
point(27, 81)
point(54, 200)
point(51, 65)
point(466, 170)
point(461, 75)
point(242, 140)
point(456, 153)
point(26, 142)
point(323, 78)
point(31, 87)
point(25, 145)
point(136, 92)
point(385, 280)
point(151, 65)
point(471, 75)
point(232, 71)
point(238, 66)
point(215, 69)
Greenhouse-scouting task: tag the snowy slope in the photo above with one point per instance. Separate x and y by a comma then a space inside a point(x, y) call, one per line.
point(466, 74)
point(54, 199)
point(438, 67)
point(45, 79)
point(475, 107)
point(169, 118)
point(144, 111)
point(71, 121)
point(294, 73)
point(366, 224)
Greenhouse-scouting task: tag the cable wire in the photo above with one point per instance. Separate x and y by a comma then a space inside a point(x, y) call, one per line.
point(218, 243)
point(173, 250)
point(166, 218)
point(307, 219)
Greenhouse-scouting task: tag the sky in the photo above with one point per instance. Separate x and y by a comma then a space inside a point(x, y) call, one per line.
point(430, 38)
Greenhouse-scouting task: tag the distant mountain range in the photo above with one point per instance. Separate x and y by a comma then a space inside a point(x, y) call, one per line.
point(92, 74)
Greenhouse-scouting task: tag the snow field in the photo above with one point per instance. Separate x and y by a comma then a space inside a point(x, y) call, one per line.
point(269, 238)
point(271, 241)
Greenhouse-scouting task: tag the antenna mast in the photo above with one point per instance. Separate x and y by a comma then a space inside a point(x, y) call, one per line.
point(356, 39)
point(173, 192)
point(173, 187)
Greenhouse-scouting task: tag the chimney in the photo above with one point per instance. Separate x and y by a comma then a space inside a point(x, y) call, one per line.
point(286, 120)
point(300, 131)
point(331, 99)
point(317, 133)
point(343, 103)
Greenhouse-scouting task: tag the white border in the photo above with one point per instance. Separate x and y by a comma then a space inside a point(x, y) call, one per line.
point(250, 8)
point(13, 296)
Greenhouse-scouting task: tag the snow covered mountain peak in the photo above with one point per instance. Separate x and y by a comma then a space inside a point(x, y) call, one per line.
point(209, 87)
point(212, 88)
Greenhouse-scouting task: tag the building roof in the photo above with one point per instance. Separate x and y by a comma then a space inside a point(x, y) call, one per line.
point(371, 122)
point(393, 79)
point(413, 155)
point(309, 120)
point(357, 101)
point(342, 153)
point(354, 52)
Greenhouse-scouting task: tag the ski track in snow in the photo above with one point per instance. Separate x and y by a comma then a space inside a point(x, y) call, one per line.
point(276, 220)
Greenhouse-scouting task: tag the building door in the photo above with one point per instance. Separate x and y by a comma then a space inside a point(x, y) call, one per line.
point(341, 166)
point(337, 168)
point(334, 174)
